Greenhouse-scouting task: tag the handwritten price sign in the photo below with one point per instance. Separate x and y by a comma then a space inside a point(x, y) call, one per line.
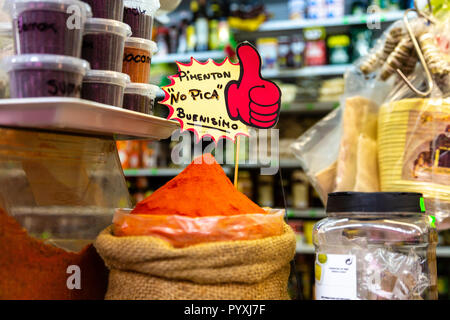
point(221, 100)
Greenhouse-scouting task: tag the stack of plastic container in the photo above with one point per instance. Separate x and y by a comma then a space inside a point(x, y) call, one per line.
point(83, 49)
point(139, 49)
point(47, 43)
point(103, 44)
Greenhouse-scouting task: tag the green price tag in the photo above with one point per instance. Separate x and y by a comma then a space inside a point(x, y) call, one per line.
point(153, 171)
point(432, 221)
point(312, 213)
point(289, 213)
point(285, 106)
point(345, 20)
point(132, 172)
point(310, 106)
point(335, 105)
point(363, 19)
point(422, 204)
point(45, 235)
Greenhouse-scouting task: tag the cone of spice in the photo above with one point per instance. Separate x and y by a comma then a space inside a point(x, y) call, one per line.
point(200, 190)
point(199, 205)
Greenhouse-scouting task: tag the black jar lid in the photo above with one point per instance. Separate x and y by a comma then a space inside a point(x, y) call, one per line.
point(375, 202)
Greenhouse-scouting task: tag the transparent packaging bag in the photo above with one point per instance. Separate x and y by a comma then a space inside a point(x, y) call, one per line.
point(182, 231)
point(414, 126)
point(339, 152)
point(412, 132)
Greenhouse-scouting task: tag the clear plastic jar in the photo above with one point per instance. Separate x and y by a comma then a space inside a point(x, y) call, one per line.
point(6, 49)
point(375, 246)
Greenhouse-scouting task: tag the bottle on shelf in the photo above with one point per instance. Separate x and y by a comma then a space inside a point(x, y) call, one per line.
point(300, 190)
point(265, 191)
point(173, 38)
point(162, 41)
point(201, 26)
point(183, 31)
point(245, 183)
point(285, 54)
point(191, 32)
point(223, 28)
point(297, 46)
point(214, 14)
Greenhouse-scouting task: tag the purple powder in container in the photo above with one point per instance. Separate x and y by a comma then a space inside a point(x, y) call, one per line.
point(140, 97)
point(45, 75)
point(105, 87)
point(103, 43)
point(49, 26)
point(107, 9)
point(138, 14)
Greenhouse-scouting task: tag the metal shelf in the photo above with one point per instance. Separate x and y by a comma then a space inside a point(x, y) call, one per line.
point(158, 172)
point(304, 248)
point(327, 70)
point(285, 25)
point(186, 57)
point(313, 106)
point(152, 172)
point(441, 252)
point(76, 116)
point(315, 213)
point(171, 172)
point(284, 163)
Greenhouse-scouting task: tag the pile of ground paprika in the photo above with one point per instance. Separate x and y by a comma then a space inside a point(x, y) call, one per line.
point(199, 205)
point(31, 269)
point(202, 189)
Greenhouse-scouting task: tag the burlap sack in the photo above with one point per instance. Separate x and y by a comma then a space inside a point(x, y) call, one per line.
point(144, 267)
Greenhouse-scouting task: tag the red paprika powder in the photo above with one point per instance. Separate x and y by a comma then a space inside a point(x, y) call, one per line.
point(201, 189)
point(31, 269)
point(197, 206)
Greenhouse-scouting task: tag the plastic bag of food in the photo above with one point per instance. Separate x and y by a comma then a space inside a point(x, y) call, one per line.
point(339, 152)
point(414, 126)
point(183, 231)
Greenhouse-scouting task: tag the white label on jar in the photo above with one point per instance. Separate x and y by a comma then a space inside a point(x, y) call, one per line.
point(335, 277)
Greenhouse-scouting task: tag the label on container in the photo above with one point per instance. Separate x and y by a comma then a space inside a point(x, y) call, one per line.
point(335, 277)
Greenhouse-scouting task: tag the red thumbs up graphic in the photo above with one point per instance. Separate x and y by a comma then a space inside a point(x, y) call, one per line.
point(252, 99)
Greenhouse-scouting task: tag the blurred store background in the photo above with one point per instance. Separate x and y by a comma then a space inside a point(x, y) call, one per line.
point(306, 46)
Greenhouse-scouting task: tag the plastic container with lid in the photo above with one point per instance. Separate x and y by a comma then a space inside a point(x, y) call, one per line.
point(103, 43)
point(104, 87)
point(138, 14)
point(140, 97)
point(137, 58)
point(375, 246)
point(49, 26)
point(45, 75)
point(107, 9)
point(6, 49)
